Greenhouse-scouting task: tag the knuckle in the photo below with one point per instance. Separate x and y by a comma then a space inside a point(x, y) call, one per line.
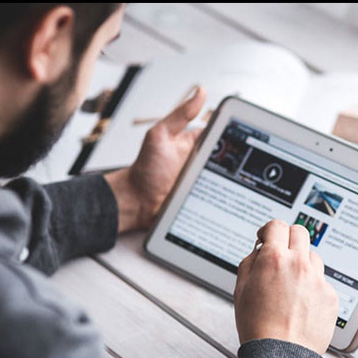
point(244, 261)
point(151, 132)
point(242, 266)
point(302, 265)
point(299, 229)
point(276, 259)
point(278, 223)
point(155, 133)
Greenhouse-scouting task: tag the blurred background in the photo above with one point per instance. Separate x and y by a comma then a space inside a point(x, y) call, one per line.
point(323, 37)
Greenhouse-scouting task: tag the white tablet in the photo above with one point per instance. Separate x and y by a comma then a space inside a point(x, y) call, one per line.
point(253, 166)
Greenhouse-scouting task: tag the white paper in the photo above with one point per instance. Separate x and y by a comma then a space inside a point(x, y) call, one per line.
point(264, 74)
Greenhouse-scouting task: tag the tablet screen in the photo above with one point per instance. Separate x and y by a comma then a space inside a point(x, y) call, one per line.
point(252, 177)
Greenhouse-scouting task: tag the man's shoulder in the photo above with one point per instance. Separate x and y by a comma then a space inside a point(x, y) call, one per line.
point(35, 313)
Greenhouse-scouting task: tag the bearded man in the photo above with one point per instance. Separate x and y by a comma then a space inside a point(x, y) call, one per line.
point(47, 55)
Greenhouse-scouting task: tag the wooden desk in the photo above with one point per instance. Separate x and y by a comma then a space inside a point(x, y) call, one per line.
point(143, 309)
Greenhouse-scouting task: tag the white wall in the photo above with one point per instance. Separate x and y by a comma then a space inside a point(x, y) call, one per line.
point(345, 11)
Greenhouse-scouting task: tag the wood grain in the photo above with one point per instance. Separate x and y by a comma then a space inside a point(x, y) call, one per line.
point(132, 326)
point(205, 310)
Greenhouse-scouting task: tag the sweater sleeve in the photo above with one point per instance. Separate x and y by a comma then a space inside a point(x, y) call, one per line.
point(35, 319)
point(68, 219)
point(264, 348)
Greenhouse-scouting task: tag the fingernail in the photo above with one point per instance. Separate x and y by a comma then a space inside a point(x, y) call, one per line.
point(194, 92)
point(190, 94)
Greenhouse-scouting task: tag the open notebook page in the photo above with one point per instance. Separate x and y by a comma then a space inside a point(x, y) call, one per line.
point(262, 73)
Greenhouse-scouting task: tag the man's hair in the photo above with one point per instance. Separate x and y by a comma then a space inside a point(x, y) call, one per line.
point(39, 125)
point(18, 22)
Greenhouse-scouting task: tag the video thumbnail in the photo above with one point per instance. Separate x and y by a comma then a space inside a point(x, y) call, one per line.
point(272, 176)
point(231, 149)
point(323, 200)
point(253, 168)
point(316, 228)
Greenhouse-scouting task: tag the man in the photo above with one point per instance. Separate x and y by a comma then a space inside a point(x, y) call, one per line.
point(283, 305)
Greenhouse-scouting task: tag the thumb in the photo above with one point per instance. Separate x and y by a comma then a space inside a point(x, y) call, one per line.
point(177, 120)
point(193, 134)
point(245, 268)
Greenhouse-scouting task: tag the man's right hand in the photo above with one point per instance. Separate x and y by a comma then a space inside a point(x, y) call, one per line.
point(281, 292)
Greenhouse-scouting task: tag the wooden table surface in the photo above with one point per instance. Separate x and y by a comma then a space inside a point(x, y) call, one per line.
point(142, 308)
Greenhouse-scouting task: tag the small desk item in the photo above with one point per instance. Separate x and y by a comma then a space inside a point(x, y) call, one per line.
point(264, 74)
point(90, 142)
point(252, 166)
point(347, 125)
point(253, 70)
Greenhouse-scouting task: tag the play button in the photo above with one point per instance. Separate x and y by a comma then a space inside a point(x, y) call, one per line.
point(273, 173)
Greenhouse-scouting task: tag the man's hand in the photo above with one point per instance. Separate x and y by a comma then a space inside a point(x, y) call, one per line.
point(281, 291)
point(141, 189)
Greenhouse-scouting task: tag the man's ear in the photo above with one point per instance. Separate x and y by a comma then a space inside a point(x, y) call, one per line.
point(49, 48)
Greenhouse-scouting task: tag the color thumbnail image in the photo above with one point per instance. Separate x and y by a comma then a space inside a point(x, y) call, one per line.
point(315, 227)
point(231, 149)
point(323, 200)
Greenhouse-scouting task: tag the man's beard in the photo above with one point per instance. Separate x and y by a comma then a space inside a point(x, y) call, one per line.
point(38, 128)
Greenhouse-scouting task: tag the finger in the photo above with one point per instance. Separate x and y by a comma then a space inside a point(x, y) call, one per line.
point(275, 233)
point(260, 233)
point(182, 115)
point(299, 239)
point(245, 268)
point(317, 262)
point(247, 263)
point(193, 134)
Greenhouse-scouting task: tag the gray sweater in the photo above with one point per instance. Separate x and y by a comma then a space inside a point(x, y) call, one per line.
point(56, 223)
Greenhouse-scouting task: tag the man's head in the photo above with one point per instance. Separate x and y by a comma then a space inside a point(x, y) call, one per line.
point(47, 55)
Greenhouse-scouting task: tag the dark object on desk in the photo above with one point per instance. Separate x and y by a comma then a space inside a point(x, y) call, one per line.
point(91, 141)
point(99, 103)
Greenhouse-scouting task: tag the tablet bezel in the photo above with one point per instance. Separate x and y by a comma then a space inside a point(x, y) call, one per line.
point(204, 271)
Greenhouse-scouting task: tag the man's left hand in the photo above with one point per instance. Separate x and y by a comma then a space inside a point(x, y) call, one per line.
point(141, 189)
